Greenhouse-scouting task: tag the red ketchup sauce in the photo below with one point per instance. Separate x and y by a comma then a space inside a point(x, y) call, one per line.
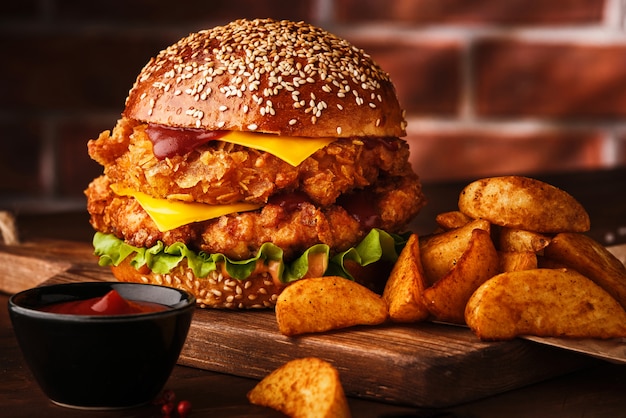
point(361, 206)
point(110, 304)
point(289, 201)
point(389, 143)
point(168, 142)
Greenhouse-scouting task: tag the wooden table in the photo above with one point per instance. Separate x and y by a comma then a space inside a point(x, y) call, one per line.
point(599, 389)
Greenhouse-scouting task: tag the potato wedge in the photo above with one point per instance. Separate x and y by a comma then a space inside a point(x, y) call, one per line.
point(446, 299)
point(440, 252)
point(303, 388)
point(591, 259)
point(511, 239)
point(517, 260)
point(523, 203)
point(544, 303)
point(452, 220)
point(406, 283)
point(325, 303)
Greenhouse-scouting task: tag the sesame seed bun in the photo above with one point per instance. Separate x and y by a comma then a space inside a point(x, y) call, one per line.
point(215, 291)
point(267, 76)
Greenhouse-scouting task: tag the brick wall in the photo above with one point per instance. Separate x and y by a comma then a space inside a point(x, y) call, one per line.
point(490, 86)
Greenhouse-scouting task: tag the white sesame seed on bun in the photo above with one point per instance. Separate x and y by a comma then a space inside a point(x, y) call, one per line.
point(268, 76)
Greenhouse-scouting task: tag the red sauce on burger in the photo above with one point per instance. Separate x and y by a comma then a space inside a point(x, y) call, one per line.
point(110, 304)
point(168, 142)
point(361, 207)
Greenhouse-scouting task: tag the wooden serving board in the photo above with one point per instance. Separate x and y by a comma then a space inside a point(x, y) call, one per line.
point(426, 365)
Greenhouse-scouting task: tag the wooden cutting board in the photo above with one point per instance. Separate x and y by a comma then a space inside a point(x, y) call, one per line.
point(425, 365)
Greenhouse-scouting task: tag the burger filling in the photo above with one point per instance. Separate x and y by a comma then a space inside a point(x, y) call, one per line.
point(227, 200)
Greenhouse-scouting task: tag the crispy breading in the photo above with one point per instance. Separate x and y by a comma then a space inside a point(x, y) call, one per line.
point(222, 173)
point(241, 235)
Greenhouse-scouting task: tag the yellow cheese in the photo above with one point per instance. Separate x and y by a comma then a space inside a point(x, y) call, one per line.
point(170, 214)
point(291, 149)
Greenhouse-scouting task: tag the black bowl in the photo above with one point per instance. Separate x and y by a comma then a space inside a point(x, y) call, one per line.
point(101, 362)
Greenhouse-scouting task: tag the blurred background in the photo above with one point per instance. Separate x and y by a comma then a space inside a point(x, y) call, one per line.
point(490, 86)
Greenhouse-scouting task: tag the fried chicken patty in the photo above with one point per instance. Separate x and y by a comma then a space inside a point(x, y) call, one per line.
point(220, 173)
point(294, 228)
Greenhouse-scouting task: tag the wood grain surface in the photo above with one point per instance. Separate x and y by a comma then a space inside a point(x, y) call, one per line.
point(426, 364)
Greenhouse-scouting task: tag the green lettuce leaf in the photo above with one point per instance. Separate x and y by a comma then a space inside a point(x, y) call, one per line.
point(376, 245)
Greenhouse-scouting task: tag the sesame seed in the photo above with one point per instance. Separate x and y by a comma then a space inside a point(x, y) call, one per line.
point(338, 130)
point(269, 57)
point(293, 122)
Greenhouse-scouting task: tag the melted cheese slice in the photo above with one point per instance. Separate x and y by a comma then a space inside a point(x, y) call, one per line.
point(170, 214)
point(291, 149)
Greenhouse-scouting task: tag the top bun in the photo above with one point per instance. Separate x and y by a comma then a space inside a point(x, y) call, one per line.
point(278, 77)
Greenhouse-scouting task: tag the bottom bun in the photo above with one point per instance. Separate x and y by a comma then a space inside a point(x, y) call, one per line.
point(217, 290)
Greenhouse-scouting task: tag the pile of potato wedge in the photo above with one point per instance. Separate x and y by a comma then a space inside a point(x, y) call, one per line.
point(513, 259)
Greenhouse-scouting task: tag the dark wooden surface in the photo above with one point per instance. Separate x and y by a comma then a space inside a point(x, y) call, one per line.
point(595, 390)
point(405, 363)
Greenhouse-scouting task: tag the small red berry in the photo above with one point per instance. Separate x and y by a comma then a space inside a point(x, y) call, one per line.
point(184, 408)
point(167, 409)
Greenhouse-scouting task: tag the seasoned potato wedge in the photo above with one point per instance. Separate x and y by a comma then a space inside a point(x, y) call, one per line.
point(452, 220)
point(544, 303)
point(592, 259)
point(517, 260)
point(523, 203)
point(440, 252)
point(404, 288)
point(303, 388)
point(511, 239)
point(325, 303)
point(446, 299)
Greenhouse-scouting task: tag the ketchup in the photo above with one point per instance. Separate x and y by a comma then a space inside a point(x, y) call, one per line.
point(169, 141)
point(362, 208)
point(389, 143)
point(289, 201)
point(110, 304)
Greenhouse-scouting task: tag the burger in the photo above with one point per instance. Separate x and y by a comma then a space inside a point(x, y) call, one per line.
point(251, 155)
